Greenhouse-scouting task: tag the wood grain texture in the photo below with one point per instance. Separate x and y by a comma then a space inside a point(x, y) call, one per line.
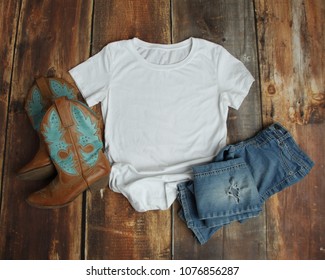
point(51, 38)
point(231, 24)
point(113, 229)
point(9, 14)
point(291, 44)
point(244, 240)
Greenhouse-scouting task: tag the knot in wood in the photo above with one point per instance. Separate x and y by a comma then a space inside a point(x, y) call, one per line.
point(271, 90)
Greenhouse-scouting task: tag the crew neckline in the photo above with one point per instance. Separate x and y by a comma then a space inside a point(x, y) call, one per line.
point(136, 42)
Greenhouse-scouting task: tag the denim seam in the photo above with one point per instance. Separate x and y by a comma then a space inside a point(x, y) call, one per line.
point(299, 158)
point(232, 218)
point(273, 190)
point(198, 235)
point(262, 138)
point(284, 161)
point(298, 151)
point(281, 137)
point(212, 215)
point(245, 144)
point(273, 135)
point(284, 183)
point(189, 221)
point(220, 170)
point(187, 215)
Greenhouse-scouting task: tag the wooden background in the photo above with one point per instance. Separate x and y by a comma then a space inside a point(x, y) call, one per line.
point(282, 43)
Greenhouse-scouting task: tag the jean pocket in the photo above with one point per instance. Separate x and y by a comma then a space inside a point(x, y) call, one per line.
point(224, 189)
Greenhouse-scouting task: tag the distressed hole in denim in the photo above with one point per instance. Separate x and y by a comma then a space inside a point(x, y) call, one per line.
point(233, 190)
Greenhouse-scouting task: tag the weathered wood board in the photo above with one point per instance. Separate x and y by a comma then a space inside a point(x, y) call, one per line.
point(51, 38)
point(114, 230)
point(231, 24)
point(291, 44)
point(9, 14)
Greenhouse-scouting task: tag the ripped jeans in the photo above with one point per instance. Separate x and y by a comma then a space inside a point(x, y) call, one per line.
point(239, 180)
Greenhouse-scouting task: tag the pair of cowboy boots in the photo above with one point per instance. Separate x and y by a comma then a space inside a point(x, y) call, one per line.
point(70, 144)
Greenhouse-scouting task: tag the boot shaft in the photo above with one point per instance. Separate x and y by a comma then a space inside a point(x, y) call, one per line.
point(41, 95)
point(73, 138)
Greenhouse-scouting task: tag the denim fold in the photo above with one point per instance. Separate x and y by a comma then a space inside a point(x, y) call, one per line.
point(236, 184)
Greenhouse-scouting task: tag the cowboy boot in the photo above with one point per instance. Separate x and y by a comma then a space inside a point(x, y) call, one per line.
point(39, 99)
point(72, 136)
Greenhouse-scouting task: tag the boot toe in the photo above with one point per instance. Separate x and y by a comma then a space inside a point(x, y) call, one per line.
point(28, 174)
point(38, 199)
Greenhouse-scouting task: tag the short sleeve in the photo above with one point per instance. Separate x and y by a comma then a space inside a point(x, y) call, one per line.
point(234, 80)
point(93, 76)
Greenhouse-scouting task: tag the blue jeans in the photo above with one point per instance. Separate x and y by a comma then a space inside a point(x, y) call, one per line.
point(239, 180)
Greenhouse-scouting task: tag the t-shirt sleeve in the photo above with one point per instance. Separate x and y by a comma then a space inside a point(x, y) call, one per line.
point(93, 76)
point(234, 80)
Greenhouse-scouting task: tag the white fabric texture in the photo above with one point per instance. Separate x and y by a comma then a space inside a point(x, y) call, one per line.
point(165, 109)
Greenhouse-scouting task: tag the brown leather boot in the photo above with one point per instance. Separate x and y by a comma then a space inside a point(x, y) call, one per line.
point(72, 136)
point(38, 100)
point(40, 167)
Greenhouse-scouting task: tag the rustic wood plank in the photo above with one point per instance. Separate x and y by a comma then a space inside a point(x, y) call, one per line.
point(113, 229)
point(52, 37)
point(291, 50)
point(9, 14)
point(231, 24)
point(247, 240)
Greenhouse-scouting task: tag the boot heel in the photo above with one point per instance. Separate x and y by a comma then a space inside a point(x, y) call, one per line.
point(99, 184)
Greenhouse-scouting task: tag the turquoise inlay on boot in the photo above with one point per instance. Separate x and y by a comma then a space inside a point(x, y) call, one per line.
point(35, 108)
point(53, 135)
point(88, 132)
point(60, 89)
point(39, 98)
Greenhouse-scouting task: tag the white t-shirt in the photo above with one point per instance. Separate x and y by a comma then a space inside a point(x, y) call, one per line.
point(165, 109)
